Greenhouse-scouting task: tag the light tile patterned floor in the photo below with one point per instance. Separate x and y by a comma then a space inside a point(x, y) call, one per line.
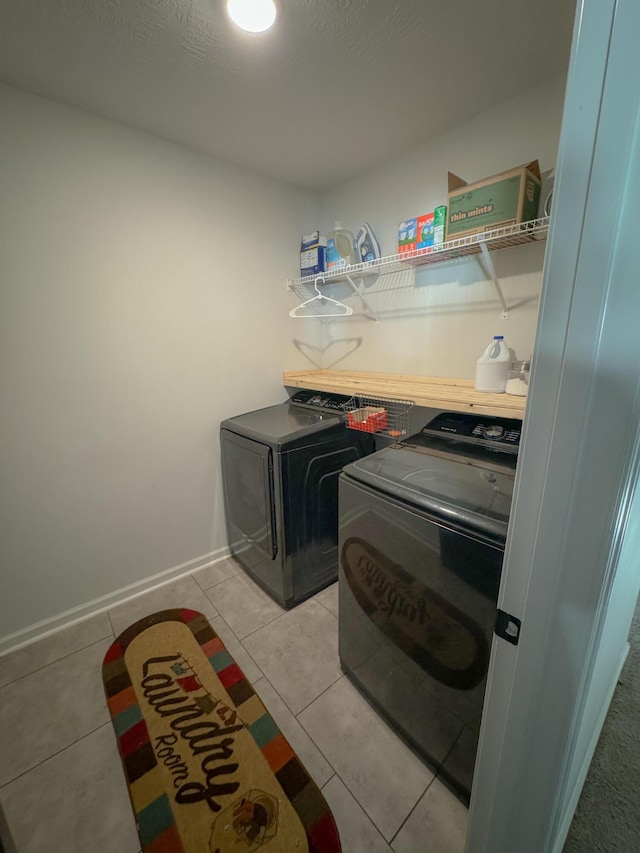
point(61, 783)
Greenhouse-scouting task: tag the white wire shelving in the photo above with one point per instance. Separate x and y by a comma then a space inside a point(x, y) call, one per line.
point(483, 243)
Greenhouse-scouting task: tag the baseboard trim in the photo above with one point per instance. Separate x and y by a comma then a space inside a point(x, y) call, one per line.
point(572, 802)
point(53, 624)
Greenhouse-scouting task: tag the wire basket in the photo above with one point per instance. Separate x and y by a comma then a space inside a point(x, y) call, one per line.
point(389, 418)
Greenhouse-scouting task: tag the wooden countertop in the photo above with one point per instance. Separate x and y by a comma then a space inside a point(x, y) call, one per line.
point(455, 395)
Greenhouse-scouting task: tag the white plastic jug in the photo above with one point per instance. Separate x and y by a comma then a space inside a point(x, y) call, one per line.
point(341, 249)
point(492, 368)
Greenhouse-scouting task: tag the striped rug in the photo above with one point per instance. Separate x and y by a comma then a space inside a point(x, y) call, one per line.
point(208, 770)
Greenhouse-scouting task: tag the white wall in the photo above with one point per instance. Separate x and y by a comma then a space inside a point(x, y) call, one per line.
point(142, 300)
point(442, 325)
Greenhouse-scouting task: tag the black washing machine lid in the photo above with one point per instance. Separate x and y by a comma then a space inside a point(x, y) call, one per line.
point(463, 495)
point(281, 426)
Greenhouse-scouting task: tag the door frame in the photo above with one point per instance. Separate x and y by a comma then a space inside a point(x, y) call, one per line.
point(578, 464)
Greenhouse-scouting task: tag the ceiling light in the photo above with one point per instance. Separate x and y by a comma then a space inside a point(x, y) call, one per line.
point(254, 16)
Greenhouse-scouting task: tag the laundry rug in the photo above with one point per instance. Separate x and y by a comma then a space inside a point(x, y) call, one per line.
point(207, 768)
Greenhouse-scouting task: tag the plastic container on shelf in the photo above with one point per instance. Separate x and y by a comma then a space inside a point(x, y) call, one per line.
point(492, 368)
point(518, 381)
point(341, 249)
point(368, 419)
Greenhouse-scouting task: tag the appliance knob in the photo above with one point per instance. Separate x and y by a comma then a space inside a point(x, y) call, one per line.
point(494, 431)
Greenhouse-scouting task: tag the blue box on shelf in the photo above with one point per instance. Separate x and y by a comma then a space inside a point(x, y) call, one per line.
point(313, 254)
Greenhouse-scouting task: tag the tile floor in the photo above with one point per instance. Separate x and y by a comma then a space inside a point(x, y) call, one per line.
point(61, 783)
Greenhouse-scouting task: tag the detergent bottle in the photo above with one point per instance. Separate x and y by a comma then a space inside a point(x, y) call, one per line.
point(492, 368)
point(341, 250)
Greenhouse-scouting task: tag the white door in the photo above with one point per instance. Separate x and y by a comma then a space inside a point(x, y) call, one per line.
point(569, 574)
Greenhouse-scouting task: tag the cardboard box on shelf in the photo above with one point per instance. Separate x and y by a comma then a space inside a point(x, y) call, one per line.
point(424, 235)
point(439, 225)
point(407, 235)
point(505, 199)
point(312, 254)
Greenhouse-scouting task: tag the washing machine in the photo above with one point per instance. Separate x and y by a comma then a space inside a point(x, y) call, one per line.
point(280, 468)
point(422, 532)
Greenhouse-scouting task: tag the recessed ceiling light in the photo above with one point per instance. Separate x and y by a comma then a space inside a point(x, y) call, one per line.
point(254, 16)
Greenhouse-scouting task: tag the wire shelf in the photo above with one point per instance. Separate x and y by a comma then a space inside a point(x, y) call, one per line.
point(389, 418)
point(496, 238)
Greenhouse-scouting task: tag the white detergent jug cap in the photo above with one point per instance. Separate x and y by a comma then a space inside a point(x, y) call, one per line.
point(498, 337)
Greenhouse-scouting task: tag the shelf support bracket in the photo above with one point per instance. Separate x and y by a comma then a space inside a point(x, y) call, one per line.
point(358, 290)
point(488, 265)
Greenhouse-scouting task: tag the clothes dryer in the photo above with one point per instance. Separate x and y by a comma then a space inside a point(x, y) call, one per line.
point(280, 468)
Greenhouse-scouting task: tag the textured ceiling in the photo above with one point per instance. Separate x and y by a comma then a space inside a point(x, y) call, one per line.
point(336, 87)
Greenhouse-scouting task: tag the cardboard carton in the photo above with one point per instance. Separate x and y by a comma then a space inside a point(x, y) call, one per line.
point(312, 254)
point(424, 234)
point(439, 225)
point(505, 199)
point(407, 235)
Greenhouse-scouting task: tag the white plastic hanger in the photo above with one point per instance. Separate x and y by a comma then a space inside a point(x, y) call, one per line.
point(346, 310)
